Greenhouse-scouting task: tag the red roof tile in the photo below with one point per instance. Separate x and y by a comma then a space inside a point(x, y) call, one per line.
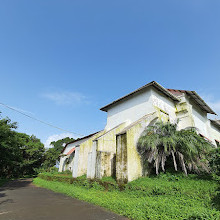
point(71, 151)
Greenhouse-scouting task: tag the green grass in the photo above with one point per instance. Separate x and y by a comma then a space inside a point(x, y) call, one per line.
point(164, 197)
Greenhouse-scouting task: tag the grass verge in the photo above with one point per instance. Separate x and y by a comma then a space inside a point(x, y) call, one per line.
point(164, 197)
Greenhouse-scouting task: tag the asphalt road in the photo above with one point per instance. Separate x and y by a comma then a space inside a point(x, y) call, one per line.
point(21, 200)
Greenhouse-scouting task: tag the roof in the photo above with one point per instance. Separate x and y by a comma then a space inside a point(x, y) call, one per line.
point(205, 137)
point(79, 139)
point(199, 101)
point(153, 83)
point(216, 123)
point(71, 151)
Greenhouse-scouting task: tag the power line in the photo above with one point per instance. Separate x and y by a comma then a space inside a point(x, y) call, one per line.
point(43, 122)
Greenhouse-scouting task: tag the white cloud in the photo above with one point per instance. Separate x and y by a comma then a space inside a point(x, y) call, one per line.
point(57, 137)
point(65, 98)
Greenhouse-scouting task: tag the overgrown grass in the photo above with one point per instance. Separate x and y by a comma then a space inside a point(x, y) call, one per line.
point(163, 197)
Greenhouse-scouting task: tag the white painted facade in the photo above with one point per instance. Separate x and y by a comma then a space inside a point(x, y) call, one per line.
point(135, 112)
point(130, 110)
point(134, 107)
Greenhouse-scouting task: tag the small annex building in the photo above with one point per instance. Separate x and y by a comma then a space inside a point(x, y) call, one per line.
point(113, 151)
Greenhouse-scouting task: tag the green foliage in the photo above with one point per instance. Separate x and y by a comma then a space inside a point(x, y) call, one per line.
point(9, 148)
point(162, 143)
point(52, 154)
point(20, 153)
point(105, 183)
point(2, 181)
point(214, 161)
point(165, 196)
point(32, 151)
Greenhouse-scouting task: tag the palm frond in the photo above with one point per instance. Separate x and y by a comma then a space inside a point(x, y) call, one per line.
point(161, 140)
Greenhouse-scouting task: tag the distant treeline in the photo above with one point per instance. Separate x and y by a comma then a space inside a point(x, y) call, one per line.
point(24, 155)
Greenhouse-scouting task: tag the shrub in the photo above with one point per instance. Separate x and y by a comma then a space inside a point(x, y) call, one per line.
point(80, 181)
point(214, 161)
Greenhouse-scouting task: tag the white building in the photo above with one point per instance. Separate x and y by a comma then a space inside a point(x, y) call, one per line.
point(127, 117)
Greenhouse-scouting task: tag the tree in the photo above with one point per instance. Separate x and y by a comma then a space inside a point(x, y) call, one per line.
point(52, 154)
point(10, 155)
point(20, 154)
point(186, 148)
point(32, 151)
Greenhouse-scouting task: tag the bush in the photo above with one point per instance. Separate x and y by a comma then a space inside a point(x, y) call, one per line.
point(104, 184)
point(214, 162)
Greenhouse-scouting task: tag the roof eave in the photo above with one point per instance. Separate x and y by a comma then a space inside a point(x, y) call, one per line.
point(216, 123)
point(153, 83)
point(204, 105)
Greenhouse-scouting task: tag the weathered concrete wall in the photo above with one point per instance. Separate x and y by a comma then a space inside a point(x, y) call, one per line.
point(105, 143)
point(75, 163)
point(121, 159)
point(62, 163)
point(64, 154)
point(104, 164)
point(134, 161)
point(165, 106)
point(92, 157)
point(85, 148)
point(184, 113)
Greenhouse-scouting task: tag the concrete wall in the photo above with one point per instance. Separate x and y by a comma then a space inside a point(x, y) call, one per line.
point(134, 160)
point(165, 106)
point(184, 113)
point(130, 110)
point(70, 166)
point(75, 162)
point(215, 132)
point(105, 143)
point(105, 164)
point(200, 120)
point(62, 163)
point(84, 150)
point(121, 159)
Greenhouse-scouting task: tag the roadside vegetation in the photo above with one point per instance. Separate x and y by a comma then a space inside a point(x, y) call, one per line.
point(183, 180)
point(2, 181)
point(23, 155)
point(165, 196)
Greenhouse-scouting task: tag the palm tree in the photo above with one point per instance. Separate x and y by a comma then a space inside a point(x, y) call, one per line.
point(185, 147)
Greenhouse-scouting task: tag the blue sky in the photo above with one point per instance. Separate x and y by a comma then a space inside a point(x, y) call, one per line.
point(60, 61)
